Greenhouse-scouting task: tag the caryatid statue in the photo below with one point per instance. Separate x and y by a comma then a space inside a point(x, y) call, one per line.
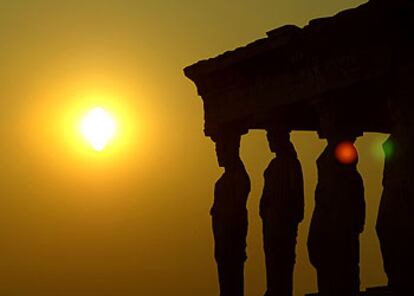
point(281, 210)
point(395, 223)
point(339, 215)
point(229, 215)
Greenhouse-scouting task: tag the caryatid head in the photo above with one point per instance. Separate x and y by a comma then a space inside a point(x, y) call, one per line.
point(279, 140)
point(227, 149)
point(333, 127)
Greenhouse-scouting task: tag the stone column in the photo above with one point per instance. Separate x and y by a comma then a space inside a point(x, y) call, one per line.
point(281, 210)
point(229, 215)
point(339, 213)
point(395, 223)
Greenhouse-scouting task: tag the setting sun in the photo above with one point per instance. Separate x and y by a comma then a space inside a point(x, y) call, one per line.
point(98, 127)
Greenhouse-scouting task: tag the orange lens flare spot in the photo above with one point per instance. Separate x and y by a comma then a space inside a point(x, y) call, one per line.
point(346, 153)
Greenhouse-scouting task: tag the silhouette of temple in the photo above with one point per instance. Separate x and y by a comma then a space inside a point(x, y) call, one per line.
point(340, 76)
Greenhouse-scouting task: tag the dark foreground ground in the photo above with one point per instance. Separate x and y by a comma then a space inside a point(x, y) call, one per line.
point(377, 291)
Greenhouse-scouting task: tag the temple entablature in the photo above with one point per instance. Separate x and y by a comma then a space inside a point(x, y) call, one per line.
point(348, 60)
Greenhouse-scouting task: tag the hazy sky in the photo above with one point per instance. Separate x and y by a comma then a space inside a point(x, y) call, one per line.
point(134, 219)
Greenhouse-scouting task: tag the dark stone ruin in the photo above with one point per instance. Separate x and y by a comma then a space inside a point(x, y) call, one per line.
point(340, 76)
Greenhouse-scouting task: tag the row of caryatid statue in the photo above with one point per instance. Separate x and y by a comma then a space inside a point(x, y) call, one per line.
point(338, 217)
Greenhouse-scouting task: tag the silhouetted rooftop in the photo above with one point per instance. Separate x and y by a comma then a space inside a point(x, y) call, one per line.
point(351, 58)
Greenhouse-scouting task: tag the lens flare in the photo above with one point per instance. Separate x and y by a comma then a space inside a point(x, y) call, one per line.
point(389, 148)
point(98, 127)
point(346, 153)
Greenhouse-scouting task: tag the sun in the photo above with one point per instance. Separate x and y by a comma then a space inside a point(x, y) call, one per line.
point(98, 127)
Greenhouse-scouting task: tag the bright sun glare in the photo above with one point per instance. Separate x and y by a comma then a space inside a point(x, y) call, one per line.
point(98, 127)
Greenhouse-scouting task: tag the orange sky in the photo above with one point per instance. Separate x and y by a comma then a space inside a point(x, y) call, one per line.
point(134, 219)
